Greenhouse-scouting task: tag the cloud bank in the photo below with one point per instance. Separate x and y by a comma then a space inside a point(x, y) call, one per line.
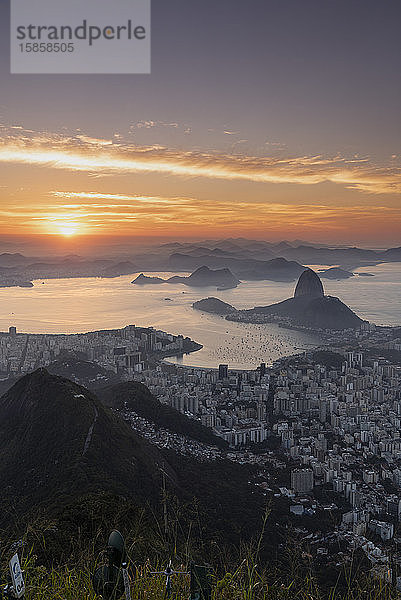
point(108, 157)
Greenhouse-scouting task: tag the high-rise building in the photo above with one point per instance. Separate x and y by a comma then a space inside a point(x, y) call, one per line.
point(393, 507)
point(223, 371)
point(302, 480)
point(261, 411)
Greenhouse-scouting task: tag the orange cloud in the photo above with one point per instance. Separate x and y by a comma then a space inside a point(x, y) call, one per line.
point(105, 157)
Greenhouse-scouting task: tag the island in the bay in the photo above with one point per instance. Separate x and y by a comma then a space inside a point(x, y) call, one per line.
point(335, 273)
point(223, 279)
point(214, 306)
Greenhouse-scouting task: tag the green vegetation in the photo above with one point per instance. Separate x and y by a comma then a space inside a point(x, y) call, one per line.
point(247, 580)
point(59, 556)
point(328, 359)
point(393, 356)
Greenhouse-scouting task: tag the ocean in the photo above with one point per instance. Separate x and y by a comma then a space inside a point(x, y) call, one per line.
point(87, 304)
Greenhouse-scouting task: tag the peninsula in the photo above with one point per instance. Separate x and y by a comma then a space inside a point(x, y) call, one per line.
point(308, 308)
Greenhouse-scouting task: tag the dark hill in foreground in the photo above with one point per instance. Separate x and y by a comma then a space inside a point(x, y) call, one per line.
point(309, 284)
point(86, 373)
point(59, 445)
point(57, 440)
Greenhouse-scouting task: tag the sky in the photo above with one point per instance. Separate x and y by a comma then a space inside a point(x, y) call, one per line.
point(261, 119)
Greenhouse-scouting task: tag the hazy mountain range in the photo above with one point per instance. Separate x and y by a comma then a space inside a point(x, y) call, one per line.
point(246, 259)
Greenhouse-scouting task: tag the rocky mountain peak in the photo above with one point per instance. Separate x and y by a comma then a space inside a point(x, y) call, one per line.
point(309, 284)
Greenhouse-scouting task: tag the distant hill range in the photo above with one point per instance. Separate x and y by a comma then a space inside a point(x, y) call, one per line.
point(277, 269)
point(202, 277)
point(19, 270)
point(246, 259)
point(308, 308)
point(302, 252)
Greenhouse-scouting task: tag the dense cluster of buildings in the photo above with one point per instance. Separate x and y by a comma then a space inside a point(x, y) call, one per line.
point(341, 427)
point(232, 403)
point(339, 430)
point(336, 417)
point(123, 350)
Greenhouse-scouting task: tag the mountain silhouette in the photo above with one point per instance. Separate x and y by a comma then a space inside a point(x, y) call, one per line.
point(311, 308)
point(60, 447)
point(58, 440)
point(202, 277)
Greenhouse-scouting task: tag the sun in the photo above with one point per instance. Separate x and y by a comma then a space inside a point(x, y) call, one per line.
point(67, 229)
point(67, 225)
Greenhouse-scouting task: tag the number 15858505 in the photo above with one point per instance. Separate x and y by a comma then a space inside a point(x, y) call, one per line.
point(47, 47)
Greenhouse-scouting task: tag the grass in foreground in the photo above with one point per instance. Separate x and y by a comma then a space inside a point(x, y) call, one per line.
point(247, 582)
